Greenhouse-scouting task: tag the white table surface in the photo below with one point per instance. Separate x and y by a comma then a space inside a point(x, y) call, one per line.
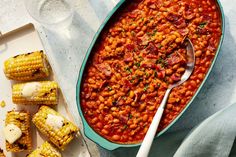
point(70, 46)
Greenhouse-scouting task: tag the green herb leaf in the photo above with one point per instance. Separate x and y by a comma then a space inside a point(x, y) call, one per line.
point(133, 33)
point(203, 24)
point(147, 74)
point(114, 102)
point(145, 88)
point(137, 64)
point(155, 73)
point(125, 127)
point(130, 116)
point(128, 69)
point(109, 88)
point(140, 58)
point(154, 32)
point(159, 46)
point(162, 62)
point(149, 33)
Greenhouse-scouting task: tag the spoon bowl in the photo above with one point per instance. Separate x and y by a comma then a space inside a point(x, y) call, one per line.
point(189, 65)
point(147, 142)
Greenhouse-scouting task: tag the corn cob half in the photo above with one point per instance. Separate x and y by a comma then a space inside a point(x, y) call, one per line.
point(33, 93)
point(1, 153)
point(47, 150)
point(59, 135)
point(22, 121)
point(26, 67)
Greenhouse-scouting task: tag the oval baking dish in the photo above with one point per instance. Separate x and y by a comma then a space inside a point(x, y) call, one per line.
point(88, 130)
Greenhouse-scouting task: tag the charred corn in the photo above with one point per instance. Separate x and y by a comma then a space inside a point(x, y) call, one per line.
point(26, 67)
point(32, 93)
point(47, 150)
point(54, 126)
point(17, 131)
point(1, 153)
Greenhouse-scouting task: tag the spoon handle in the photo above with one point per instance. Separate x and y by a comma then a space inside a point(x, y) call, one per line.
point(147, 141)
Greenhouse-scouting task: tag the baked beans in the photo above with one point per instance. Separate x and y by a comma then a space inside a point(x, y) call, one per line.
point(138, 55)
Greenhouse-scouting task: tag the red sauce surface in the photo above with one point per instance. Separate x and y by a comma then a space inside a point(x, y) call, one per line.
point(139, 54)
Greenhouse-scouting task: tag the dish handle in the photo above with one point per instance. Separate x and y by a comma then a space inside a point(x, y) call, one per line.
point(92, 135)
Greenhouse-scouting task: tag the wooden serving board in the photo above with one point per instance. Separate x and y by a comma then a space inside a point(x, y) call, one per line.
point(22, 40)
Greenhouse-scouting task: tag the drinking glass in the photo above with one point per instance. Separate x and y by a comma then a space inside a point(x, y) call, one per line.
point(52, 14)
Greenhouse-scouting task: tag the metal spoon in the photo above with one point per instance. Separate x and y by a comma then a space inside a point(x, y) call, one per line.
point(147, 142)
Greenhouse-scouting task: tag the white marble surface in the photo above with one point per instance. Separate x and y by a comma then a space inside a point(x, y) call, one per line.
point(69, 47)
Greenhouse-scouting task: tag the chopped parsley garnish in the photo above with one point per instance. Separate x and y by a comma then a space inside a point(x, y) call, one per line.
point(125, 127)
point(149, 33)
point(151, 18)
point(109, 88)
point(114, 102)
point(158, 85)
point(145, 46)
point(142, 19)
point(128, 69)
point(202, 24)
point(140, 57)
point(162, 62)
point(145, 88)
point(130, 116)
point(155, 74)
point(137, 64)
point(154, 32)
point(159, 46)
point(132, 33)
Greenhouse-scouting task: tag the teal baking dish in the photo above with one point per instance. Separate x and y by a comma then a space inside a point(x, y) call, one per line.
point(88, 131)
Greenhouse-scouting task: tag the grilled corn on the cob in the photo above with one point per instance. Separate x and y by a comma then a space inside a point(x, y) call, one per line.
point(31, 93)
point(22, 121)
point(1, 153)
point(47, 150)
point(57, 128)
point(27, 67)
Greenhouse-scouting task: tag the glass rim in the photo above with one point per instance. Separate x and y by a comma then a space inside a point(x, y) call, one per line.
point(42, 21)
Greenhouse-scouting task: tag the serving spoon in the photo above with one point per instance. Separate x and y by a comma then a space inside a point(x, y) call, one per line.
point(147, 141)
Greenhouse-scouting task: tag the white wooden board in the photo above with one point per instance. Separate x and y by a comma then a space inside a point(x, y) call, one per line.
point(23, 40)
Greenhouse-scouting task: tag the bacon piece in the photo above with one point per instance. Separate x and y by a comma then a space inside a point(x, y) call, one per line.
point(132, 15)
point(183, 31)
point(120, 101)
point(211, 48)
point(178, 21)
point(104, 68)
point(128, 57)
point(172, 17)
point(151, 56)
point(206, 18)
point(123, 118)
point(161, 74)
point(144, 40)
point(151, 48)
point(188, 12)
point(175, 78)
point(148, 65)
point(175, 58)
point(130, 47)
point(103, 84)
